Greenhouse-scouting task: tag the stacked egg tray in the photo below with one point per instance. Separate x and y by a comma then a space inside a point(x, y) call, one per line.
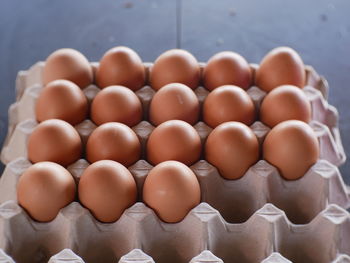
point(257, 218)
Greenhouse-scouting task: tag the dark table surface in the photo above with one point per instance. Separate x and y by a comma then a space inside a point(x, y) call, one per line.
point(319, 30)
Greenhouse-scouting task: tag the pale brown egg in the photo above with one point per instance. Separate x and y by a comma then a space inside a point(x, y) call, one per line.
point(227, 68)
point(175, 66)
point(43, 189)
point(113, 141)
point(281, 66)
point(121, 66)
point(171, 189)
point(174, 140)
point(228, 103)
point(232, 148)
point(292, 147)
point(116, 104)
point(174, 101)
point(61, 99)
point(55, 141)
point(68, 64)
point(284, 103)
point(107, 188)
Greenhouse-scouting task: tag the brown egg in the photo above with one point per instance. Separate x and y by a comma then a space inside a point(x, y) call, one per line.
point(174, 140)
point(68, 64)
point(227, 68)
point(43, 189)
point(113, 141)
point(61, 99)
point(228, 103)
point(175, 65)
point(285, 103)
point(121, 66)
point(116, 104)
point(292, 147)
point(171, 189)
point(107, 188)
point(281, 66)
point(174, 101)
point(55, 141)
point(232, 148)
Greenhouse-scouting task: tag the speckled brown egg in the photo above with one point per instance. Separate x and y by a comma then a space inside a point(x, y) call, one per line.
point(171, 189)
point(116, 104)
point(174, 101)
point(228, 103)
point(281, 66)
point(121, 66)
point(232, 148)
point(175, 66)
point(292, 147)
point(113, 141)
point(227, 68)
point(45, 188)
point(55, 141)
point(174, 140)
point(107, 188)
point(68, 64)
point(285, 103)
point(61, 99)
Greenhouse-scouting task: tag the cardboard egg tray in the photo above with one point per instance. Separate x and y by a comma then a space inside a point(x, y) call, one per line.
point(246, 220)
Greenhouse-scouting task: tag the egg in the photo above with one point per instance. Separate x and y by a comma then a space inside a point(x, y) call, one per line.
point(116, 104)
point(284, 103)
point(68, 64)
point(113, 141)
point(174, 140)
point(61, 99)
point(174, 101)
point(292, 147)
point(281, 66)
point(227, 68)
point(121, 66)
point(55, 141)
point(171, 189)
point(232, 148)
point(43, 189)
point(175, 66)
point(228, 103)
point(107, 188)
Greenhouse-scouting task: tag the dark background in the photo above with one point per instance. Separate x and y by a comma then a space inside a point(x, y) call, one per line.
point(319, 30)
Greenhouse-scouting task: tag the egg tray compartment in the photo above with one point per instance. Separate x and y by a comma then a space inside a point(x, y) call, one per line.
point(267, 230)
point(28, 86)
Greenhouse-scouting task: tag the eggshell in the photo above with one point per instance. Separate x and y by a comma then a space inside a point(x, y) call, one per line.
point(174, 101)
point(281, 66)
point(68, 64)
point(43, 189)
point(174, 140)
point(171, 189)
point(113, 141)
point(121, 66)
point(175, 65)
point(292, 147)
point(285, 103)
point(116, 104)
point(227, 68)
point(55, 141)
point(61, 99)
point(232, 148)
point(107, 188)
point(228, 103)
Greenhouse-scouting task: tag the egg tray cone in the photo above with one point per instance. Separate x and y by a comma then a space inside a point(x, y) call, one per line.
point(267, 230)
point(28, 86)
